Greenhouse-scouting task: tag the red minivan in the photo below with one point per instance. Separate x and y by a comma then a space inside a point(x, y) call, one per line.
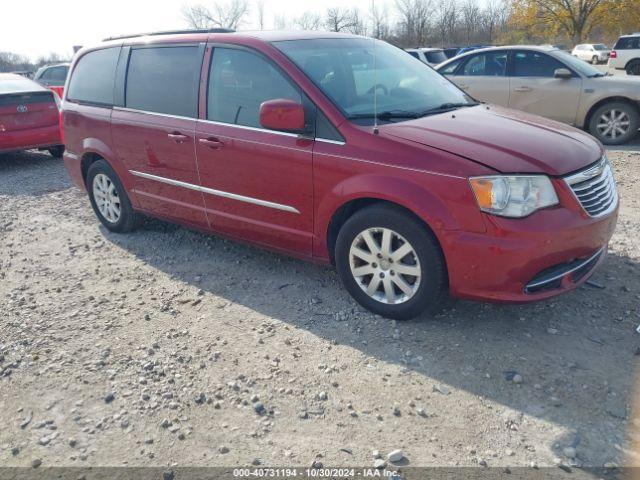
point(340, 149)
point(29, 116)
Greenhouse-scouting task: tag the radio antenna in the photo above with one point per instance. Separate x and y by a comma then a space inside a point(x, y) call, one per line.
point(375, 81)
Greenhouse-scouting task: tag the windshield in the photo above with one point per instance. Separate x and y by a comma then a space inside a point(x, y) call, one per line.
point(347, 71)
point(578, 65)
point(600, 47)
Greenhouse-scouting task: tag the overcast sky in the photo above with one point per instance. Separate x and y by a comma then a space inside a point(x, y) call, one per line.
point(37, 27)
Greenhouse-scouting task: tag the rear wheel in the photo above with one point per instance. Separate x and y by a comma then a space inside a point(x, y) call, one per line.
point(109, 198)
point(56, 151)
point(633, 68)
point(391, 263)
point(614, 123)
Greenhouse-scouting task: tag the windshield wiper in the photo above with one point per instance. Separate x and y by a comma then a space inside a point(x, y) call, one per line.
point(447, 107)
point(386, 115)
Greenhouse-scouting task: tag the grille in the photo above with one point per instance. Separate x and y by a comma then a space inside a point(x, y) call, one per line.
point(595, 188)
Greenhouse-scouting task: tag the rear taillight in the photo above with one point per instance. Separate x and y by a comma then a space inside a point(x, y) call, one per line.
point(613, 54)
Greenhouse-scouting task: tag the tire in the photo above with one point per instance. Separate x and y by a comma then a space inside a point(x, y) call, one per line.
point(56, 151)
point(629, 120)
point(102, 179)
point(594, 60)
point(633, 68)
point(425, 259)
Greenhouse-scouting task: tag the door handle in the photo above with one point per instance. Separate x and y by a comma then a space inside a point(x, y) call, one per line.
point(523, 89)
point(211, 142)
point(178, 137)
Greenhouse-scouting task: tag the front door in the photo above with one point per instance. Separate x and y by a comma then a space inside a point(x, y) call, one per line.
point(154, 133)
point(257, 183)
point(534, 89)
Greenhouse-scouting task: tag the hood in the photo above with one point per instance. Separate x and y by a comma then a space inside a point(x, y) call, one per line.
point(629, 85)
point(505, 140)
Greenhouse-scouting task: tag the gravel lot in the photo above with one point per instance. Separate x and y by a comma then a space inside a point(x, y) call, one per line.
point(167, 346)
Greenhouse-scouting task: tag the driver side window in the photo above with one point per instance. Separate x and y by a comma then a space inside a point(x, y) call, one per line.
point(535, 64)
point(239, 81)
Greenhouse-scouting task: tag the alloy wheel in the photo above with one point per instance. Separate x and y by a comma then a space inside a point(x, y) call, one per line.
point(106, 198)
point(385, 265)
point(613, 124)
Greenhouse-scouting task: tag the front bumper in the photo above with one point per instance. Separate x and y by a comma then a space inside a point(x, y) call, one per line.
point(521, 260)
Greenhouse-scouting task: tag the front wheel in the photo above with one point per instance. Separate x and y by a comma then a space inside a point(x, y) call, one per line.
point(391, 263)
point(594, 60)
point(615, 123)
point(109, 198)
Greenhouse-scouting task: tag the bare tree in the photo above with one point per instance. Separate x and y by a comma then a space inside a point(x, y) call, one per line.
point(230, 14)
point(446, 19)
point(280, 22)
point(492, 16)
point(470, 15)
point(379, 23)
point(341, 20)
point(260, 11)
point(414, 24)
point(308, 21)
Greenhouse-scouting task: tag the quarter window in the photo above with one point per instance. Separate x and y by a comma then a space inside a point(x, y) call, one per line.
point(239, 82)
point(93, 77)
point(490, 64)
point(535, 64)
point(164, 80)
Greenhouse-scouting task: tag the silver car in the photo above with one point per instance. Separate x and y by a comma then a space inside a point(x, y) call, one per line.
point(551, 83)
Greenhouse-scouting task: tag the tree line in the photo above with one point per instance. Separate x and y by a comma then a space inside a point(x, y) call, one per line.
point(12, 62)
point(444, 23)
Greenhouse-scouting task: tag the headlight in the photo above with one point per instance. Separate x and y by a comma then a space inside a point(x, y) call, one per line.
point(513, 196)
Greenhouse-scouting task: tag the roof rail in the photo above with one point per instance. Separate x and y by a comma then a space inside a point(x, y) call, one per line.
point(171, 32)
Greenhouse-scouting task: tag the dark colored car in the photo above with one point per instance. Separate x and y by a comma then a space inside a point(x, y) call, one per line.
point(52, 75)
point(29, 116)
point(333, 148)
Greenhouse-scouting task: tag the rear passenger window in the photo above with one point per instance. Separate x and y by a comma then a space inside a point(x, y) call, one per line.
point(93, 77)
point(164, 80)
point(627, 43)
point(239, 81)
point(490, 64)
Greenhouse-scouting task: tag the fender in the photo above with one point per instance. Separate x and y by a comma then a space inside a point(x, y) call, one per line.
point(425, 200)
point(98, 147)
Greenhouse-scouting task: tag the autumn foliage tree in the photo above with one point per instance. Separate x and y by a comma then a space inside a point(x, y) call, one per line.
point(573, 20)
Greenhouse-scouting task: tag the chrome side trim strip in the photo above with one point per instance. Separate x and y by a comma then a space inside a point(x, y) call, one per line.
point(218, 193)
point(567, 272)
point(252, 129)
point(333, 142)
point(155, 114)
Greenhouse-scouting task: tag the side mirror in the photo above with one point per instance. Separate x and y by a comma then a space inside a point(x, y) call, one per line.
point(563, 73)
point(282, 114)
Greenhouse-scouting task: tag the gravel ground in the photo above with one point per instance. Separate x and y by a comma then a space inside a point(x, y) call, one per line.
point(170, 347)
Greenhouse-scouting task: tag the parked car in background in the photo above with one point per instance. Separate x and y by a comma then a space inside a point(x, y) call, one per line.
point(592, 52)
point(626, 54)
point(430, 56)
point(23, 73)
point(551, 83)
point(29, 116)
point(53, 77)
point(341, 149)
point(451, 52)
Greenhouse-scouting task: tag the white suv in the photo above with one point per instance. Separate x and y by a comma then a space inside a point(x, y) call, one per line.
point(626, 54)
point(592, 52)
